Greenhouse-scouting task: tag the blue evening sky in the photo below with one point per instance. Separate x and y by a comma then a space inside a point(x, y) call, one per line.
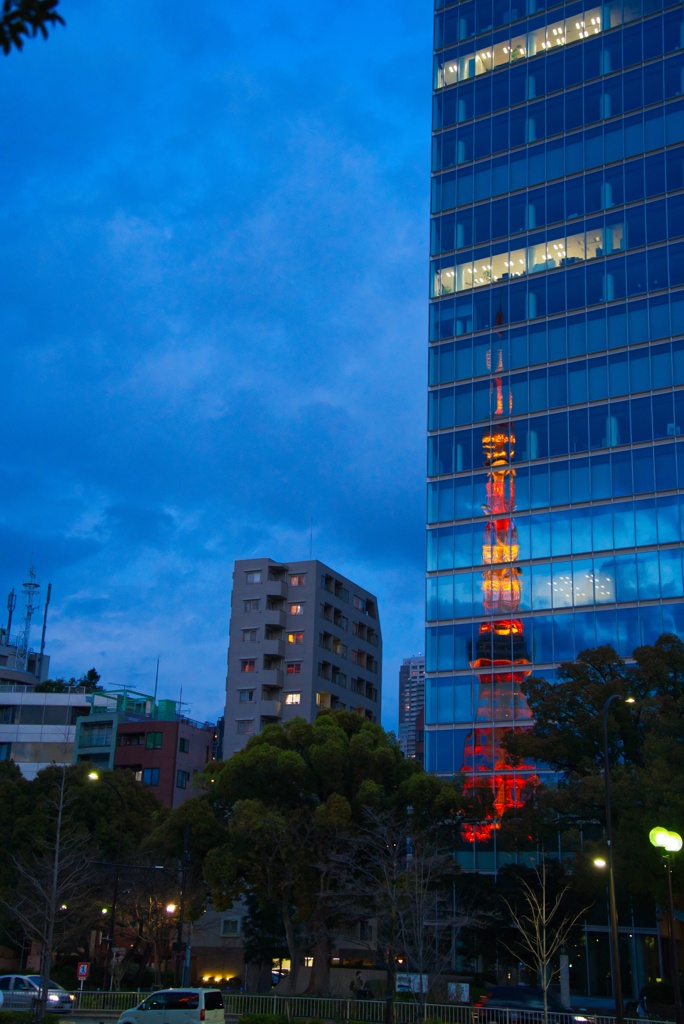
point(213, 315)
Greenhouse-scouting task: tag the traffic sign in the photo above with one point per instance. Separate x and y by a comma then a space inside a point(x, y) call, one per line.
point(82, 971)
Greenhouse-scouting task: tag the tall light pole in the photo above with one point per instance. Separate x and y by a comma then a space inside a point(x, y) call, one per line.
point(612, 906)
point(109, 962)
point(670, 843)
point(52, 903)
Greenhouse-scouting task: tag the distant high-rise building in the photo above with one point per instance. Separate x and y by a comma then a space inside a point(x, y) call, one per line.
point(556, 371)
point(411, 701)
point(302, 638)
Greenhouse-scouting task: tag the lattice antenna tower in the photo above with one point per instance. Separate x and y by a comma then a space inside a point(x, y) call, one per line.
point(31, 604)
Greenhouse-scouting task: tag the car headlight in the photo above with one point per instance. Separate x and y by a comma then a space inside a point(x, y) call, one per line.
point(72, 997)
point(52, 997)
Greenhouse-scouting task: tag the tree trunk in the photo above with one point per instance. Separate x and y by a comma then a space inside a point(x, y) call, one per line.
point(292, 947)
point(319, 982)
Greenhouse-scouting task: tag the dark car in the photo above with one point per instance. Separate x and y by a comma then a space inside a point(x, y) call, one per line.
point(522, 1004)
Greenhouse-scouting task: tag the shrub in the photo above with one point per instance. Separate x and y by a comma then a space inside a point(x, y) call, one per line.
point(261, 1018)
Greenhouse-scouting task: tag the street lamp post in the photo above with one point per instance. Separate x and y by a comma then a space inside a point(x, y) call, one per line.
point(612, 906)
point(109, 962)
point(52, 904)
point(670, 843)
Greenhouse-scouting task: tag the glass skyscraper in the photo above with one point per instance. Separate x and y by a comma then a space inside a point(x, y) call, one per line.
point(556, 370)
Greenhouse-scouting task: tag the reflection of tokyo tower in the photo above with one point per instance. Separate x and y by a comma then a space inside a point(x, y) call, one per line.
point(501, 660)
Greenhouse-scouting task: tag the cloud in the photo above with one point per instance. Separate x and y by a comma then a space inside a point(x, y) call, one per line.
point(214, 247)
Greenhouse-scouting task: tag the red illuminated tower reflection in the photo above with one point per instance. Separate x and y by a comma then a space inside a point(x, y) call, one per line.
point(501, 660)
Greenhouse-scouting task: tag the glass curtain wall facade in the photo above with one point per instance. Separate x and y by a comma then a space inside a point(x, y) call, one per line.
point(556, 364)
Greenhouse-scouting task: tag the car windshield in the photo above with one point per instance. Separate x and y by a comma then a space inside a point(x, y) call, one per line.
point(37, 980)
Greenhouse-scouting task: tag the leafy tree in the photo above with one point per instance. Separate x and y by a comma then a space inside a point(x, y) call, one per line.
point(292, 802)
point(644, 747)
point(89, 682)
point(24, 19)
point(97, 830)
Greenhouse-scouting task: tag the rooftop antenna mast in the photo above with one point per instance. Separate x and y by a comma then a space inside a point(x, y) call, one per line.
point(39, 665)
point(30, 590)
point(11, 605)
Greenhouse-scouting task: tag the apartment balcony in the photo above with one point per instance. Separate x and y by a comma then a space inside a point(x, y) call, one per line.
point(271, 677)
point(270, 708)
point(273, 648)
point(276, 588)
point(273, 617)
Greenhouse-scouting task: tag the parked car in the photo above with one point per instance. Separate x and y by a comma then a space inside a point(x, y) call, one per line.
point(178, 1006)
point(522, 1004)
point(20, 991)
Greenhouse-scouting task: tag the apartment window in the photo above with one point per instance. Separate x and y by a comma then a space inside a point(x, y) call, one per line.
point(366, 931)
point(297, 580)
point(5, 751)
point(294, 668)
point(295, 638)
point(360, 603)
point(248, 665)
point(131, 739)
point(184, 745)
point(182, 779)
point(150, 776)
point(253, 577)
point(246, 696)
point(249, 636)
point(153, 741)
point(294, 697)
point(7, 715)
point(245, 726)
point(252, 605)
point(230, 928)
point(99, 735)
point(296, 609)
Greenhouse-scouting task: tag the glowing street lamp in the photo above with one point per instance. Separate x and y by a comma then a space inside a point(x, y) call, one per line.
point(670, 843)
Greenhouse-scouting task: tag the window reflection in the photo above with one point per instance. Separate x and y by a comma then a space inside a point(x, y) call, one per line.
point(546, 37)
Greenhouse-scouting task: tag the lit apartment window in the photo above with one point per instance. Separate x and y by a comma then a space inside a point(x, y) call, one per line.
point(297, 580)
point(150, 776)
point(245, 726)
point(253, 577)
point(294, 668)
point(249, 636)
point(296, 609)
point(248, 665)
point(153, 741)
point(295, 638)
point(252, 605)
point(246, 696)
point(295, 697)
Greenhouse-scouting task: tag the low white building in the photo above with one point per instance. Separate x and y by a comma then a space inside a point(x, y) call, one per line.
point(37, 728)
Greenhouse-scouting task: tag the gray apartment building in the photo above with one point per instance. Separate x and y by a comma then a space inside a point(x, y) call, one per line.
point(303, 638)
point(411, 701)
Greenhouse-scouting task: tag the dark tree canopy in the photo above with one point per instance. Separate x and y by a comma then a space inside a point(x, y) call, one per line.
point(24, 19)
point(644, 749)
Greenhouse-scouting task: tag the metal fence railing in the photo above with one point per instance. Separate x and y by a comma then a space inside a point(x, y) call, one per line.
point(106, 1002)
point(368, 1011)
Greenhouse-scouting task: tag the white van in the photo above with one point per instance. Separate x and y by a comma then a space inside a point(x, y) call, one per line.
point(178, 1006)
